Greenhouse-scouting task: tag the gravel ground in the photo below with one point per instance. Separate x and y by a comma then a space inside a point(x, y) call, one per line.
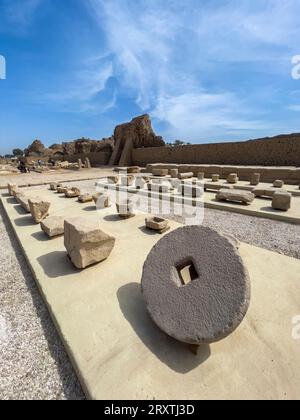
point(33, 362)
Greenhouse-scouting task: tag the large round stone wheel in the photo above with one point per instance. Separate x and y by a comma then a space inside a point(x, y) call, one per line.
point(210, 302)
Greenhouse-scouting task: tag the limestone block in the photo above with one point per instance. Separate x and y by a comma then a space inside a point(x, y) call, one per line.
point(102, 200)
point(62, 190)
point(86, 243)
point(217, 187)
point(140, 183)
point(201, 176)
point(127, 181)
point(163, 188)
point(38, 209)
point(242, 196)
point(157, 223)
point(134, 170)
point(212, 303)
point(215, 178)
point(278, 183)
point(85, 198)
point(160, 172)
point(186, 175)
point(174, 173)
point(53, 226)
point(11, 189)
point(282, 200)
point(255, 179)
point(114, 179)
point(264, 192)
point(232, 179)
point(53, 186)
point(125, 209)
point(22, 199)
point(73, 193)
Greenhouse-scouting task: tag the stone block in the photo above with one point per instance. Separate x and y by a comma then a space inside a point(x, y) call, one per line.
point(255, 179)
point(22, 199)
point(133, 170)
point(215, 178)
point(62, 190)
point(101, 200)
point(73, 193)
point(53, 186)
point(241, 196)
point(201, 176)
point(85, 198)
point(282, 200)
point(125, 209)
point(190, 190)
point(11, 189)
point(160, 172)
point(158, 224)
point(174, 173)
point(86, 243)
point(38, 209)
point(264, 192)
point(278, 183)
point(53, 226)
point(186, 175)
point(127, 181)
point(232, 179)
point(114, 179)
point(159, 188)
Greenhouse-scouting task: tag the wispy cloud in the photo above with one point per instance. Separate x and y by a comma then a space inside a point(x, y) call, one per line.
point(21, 12)
point(172, 57)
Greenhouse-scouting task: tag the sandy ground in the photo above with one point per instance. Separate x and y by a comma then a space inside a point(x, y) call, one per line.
point(33, 362)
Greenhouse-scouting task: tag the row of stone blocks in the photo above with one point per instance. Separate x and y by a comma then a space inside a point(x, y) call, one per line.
point(186, 311)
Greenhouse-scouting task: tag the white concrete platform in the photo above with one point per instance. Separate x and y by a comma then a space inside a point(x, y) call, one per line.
point(116, 349)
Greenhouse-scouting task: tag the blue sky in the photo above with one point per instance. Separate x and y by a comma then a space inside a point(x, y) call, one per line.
point(205, 70)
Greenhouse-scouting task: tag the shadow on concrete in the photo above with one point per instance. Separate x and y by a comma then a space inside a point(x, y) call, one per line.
point(4, 195)
point(171, 352)
point(114, 218)
point(148, 231)
point(25, 221)
point(271, 210)
point(19, 209)
point(40, 236)
point(11, 200)
point(57, 264)
point(69, 382)
point(89, 208)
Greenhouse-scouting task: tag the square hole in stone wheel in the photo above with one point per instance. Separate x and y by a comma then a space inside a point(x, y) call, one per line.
point(187, 272)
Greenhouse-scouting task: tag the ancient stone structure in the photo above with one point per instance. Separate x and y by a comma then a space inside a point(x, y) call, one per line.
point(127, 181)
point(264, 192)
point(73, 193)
point(190, 190)
point(102, 200)
point(39, 209)
point(160, 172)
point(201, 176)
point(53, 226)
point(85, 243)
point(125, 209)
point(157, 224)
point(240, 196)
point(215, 178)
point(186, 175)
point(114, 179)
point(212, 302)
point(282, 200)
point(53, 186)
point(278, 183)
point(159, 188)
point(255, 179)
point(85, 198)
point(232, 179)
point(212, 186)
point(11, 189)
point(22, 199)
point(174, 173)
point(62, 190)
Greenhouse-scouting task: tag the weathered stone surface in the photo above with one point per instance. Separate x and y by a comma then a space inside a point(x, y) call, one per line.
point(278, 183)
point(140, 183)
point(282, 200)
point(85, 198)
point(62, 190)
point(216, 187)
point(160, 172)
point(242, 196)
point(255, 179)
point(114, 179)
point(264, 192)
point(232, 179)
point(201, 176)
point(36, 149)
point(213, 304)
point(157, 223)
point(79, 164)
point(53, 186)
point(39, 209)
point(215, 178)
point(22, 199)
point(87, 163)
point(125, 209)
point(186, 175)
point(133, 170)
point(174, 173)
point(139, 131)
point(53, 226)
point(159, 188)
point(127, 181)
point(73, 193)
point(102, 200)
point(11, 189)
point(86, 243)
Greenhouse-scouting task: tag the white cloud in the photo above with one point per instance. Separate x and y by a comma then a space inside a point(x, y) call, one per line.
point(21, 12)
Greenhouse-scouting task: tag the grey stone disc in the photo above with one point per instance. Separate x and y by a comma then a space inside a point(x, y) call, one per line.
point(213, 304)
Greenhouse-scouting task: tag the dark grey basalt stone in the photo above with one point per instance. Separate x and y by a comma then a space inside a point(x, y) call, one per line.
point(213, 304)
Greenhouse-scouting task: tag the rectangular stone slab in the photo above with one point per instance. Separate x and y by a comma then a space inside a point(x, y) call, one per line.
point(119, 353)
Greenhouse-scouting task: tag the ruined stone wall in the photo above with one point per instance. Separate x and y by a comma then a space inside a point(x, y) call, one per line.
point(96, 158)
point(278, 151)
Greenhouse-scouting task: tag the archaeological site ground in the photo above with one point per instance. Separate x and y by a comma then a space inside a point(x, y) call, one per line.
point(150, 271)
